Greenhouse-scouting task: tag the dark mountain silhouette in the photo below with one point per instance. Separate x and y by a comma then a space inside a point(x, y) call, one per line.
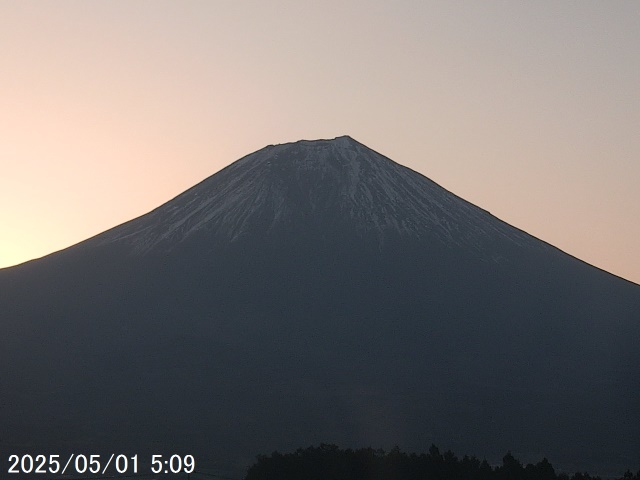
point(319, 292)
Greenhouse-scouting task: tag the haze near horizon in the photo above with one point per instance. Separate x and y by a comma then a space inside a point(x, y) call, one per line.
point(530, 111)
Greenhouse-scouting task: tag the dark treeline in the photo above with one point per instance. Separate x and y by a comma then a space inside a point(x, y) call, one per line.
point(328, 462)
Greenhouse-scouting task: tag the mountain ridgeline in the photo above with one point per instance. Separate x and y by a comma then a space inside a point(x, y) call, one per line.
point(317, 292)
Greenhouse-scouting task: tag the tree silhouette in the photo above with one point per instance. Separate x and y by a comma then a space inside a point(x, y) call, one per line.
point(329, 462)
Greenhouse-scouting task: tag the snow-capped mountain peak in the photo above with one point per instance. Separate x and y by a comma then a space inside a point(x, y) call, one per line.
point(316, 184)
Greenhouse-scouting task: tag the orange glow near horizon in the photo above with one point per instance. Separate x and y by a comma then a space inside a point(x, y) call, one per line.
point(529, 111)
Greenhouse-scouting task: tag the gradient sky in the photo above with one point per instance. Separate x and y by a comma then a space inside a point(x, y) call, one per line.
point(530, 110)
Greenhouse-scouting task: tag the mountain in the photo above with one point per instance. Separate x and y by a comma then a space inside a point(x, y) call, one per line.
point(315, 292)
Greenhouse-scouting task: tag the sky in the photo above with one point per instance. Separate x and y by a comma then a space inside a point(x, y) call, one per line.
point(530, 110)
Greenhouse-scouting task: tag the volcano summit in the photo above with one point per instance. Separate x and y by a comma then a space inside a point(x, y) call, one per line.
point(314, 184)
point(314, 292)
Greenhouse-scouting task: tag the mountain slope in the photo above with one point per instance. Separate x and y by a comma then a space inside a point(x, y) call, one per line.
point(319, 292)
